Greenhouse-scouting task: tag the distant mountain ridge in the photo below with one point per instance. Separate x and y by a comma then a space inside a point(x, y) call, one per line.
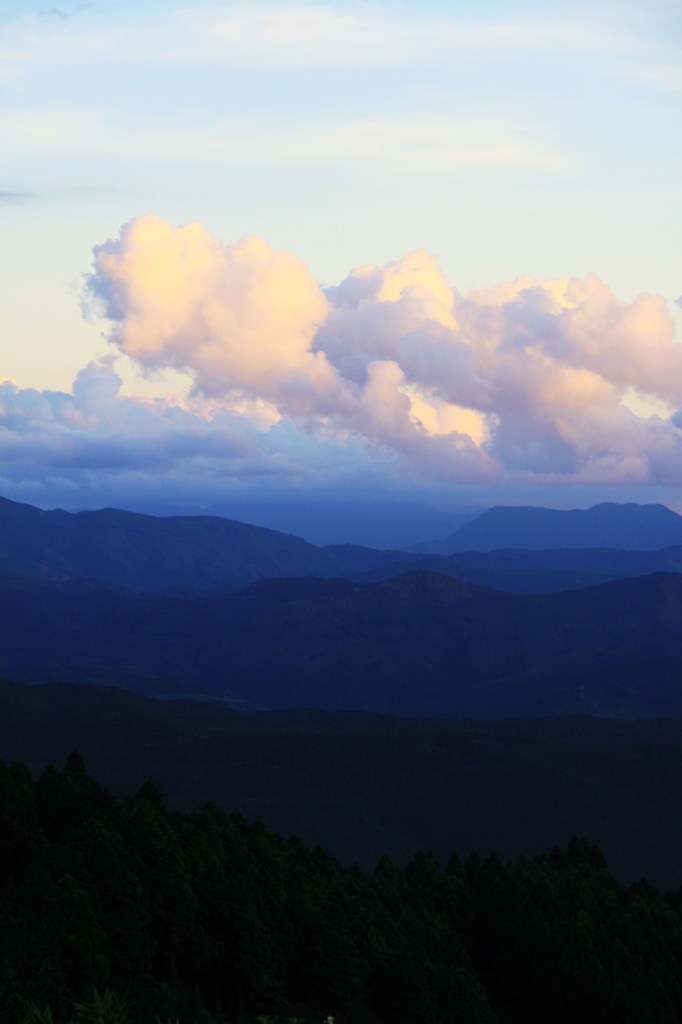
point(549, 571)
point(630, 527)
point(237, 613)
point(204, 552)
point(149, 553)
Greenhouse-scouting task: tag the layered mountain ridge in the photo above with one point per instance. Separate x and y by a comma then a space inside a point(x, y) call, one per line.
point(418, 644)
point(508, 548)
point(393, 655)
point(116, 598)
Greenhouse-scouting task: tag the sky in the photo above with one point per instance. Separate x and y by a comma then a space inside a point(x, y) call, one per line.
point(345, 269)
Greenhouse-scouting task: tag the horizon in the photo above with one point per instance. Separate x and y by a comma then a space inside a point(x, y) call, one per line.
point(322, 525)
point(323, 256)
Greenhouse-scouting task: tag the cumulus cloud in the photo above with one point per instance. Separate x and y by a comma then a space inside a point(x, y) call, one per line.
point(240, 317)
point(526, 379)
point(389, 376)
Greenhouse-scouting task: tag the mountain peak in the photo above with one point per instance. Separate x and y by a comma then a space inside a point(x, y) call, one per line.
point(629, 526)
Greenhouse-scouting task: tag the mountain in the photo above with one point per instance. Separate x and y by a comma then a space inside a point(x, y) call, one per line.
point(419, 644)
point(117, 598)
point(631, 527)
point(535, 572)
point(203, 552)
point(150, 553)
point(363, 785)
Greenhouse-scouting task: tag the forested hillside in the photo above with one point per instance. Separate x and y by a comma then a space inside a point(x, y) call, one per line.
point(192, 912)
point(205, 917)
point(361, 785)
point(420, 644)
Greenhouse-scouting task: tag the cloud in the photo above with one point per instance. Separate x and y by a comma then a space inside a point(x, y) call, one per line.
point(666, 77)
point(16, 198)
point(424, 144)
point(54, 12)
point(567, 327)
point(240, 318)
point(391, 377)
point(303, 35)
point(93, 444)
point(248, 322)
point(529, 379)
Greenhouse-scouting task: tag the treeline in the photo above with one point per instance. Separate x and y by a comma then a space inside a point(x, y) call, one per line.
point(209, 919)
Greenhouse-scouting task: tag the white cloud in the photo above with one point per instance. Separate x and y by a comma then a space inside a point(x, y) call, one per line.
point(306, 35)
point(302, 36)
point(528, 378)
point(664, 76)
point(241, 318)
point(415, 144)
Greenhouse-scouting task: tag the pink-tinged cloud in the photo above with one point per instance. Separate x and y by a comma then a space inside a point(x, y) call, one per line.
point(527, 380)
point(240, 317)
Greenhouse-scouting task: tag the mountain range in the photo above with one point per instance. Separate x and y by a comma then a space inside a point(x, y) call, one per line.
point(152, 604)
point(501, 548)
point(629, 527)
point(418, 644)
point(523, 571)
point(400, 699)
point(156, 553)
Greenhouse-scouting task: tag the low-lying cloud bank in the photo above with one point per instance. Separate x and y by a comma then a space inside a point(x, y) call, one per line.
point(390, 372)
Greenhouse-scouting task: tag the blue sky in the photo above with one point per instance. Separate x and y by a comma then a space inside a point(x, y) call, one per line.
point(529, 153)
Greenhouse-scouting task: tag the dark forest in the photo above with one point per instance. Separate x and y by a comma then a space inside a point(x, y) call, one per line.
point(205, 918)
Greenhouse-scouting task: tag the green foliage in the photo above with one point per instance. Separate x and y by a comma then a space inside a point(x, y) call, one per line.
point(373, 784)
point(107, 1008)
point(104, 1008)
point(37, 1016)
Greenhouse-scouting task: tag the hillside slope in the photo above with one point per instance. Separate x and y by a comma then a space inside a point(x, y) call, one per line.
point(365, 785)
point(420, 644)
